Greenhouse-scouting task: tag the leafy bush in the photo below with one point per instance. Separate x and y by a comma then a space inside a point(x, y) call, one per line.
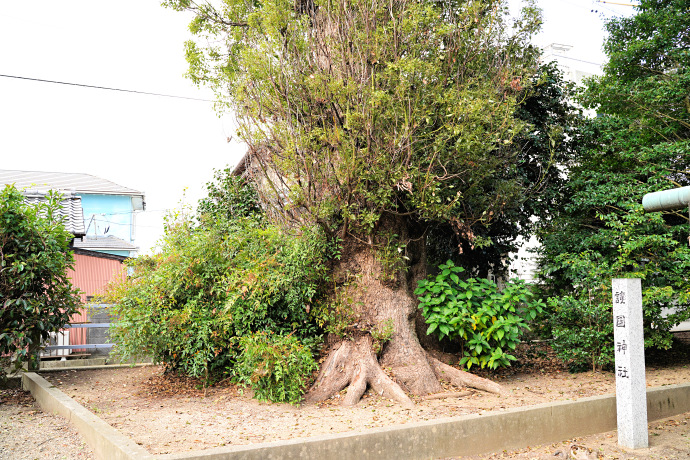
point(487, 321)
point(216, 281)
point(185, 304)
point(581, 319)
point(582, 322)
point(229, 197)
point(582, 332)
point(275, 366)
point(37, 296)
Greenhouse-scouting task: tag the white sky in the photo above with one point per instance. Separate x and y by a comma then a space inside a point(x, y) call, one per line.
point(158, 145)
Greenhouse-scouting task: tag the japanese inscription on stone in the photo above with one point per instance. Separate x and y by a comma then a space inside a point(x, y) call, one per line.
point(631, 396)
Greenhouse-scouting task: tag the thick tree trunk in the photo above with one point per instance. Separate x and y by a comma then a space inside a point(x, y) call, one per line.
point(379, 300)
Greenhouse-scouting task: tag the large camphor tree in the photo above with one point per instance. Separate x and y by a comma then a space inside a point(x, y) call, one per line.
point(375, 120)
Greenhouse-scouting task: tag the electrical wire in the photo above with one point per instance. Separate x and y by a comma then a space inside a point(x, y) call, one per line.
point(620, 4)
point(105, 88)
point(123, 224)
point(127, 212)
point(574, 59)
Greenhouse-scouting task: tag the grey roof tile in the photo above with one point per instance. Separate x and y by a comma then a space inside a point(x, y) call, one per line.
point(39, 181)
point(71, 211)
point(104, 243)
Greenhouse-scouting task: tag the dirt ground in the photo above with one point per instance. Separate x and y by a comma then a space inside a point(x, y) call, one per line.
point(27, 433)
point(170, 414)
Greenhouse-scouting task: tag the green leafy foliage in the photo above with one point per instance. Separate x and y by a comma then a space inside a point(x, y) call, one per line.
point(407, 108)
point(582, 323)
point(488, 322)
point(275, 366)
point(639, 143)
point(631, 244)
point(37, 296)
point(543, 152)
point(381, 334)
point(211, 285)
point(228, 197)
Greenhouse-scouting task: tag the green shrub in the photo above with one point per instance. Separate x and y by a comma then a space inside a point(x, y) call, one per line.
point(277, 367)
point(582, 331)
point(36, 296)
point(216, 280)
point(229, 198)
point(487, 321)
point(185, 305)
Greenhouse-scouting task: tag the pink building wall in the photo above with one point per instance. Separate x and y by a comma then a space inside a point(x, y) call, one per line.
point(91, 274)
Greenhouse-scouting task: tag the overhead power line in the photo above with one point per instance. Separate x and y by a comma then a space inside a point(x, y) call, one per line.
point(579, 60)
point(105, 88)
point(616, 3)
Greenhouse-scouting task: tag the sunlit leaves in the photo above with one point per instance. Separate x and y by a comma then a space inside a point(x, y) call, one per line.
point(367, 108)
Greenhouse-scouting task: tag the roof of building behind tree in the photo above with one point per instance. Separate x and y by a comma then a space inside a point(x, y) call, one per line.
point(104, 243)
point(71, 211)
point(40, 181)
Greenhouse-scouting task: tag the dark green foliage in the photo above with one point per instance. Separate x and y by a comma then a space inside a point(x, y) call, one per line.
point(639, 144)
point(276, 367)
point(212, 285)
point(582, 323)
point(229, 197)
point(488, 322)
point(37, 296)
point(185, 304)
point(542, 151)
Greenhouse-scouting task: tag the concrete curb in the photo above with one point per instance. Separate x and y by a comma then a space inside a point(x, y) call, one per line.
point(87, 367)
point(106, 441)
point(91, 362)
point(467, 435)
point(49, 364)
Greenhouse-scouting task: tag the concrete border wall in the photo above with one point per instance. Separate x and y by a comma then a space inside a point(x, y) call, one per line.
point(106, 441)
point(467, 435)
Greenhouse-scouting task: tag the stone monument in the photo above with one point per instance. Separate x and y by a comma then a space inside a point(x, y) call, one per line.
point(631, 388)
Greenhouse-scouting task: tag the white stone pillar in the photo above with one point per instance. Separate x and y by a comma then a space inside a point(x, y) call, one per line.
point(631, 388)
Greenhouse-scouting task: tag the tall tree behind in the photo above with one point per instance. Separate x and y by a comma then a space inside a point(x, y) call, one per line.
point(639, 143)
point(544, 153)
point(374, 120)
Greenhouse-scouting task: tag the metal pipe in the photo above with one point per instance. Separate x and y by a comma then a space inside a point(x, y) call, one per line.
point(667, 200)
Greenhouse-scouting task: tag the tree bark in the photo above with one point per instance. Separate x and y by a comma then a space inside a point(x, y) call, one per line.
point(380, 299)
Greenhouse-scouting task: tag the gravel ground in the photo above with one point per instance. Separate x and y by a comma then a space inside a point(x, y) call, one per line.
point(167, 413)
point(26, 433)
point(669, 439)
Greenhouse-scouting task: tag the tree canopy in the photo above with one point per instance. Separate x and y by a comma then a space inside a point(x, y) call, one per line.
point(362, 109)
point(639, 143)
point(388, 125)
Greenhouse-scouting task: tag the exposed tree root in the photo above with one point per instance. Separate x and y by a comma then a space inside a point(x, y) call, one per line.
point(353, 365)
point(377, 300)
point(462, 378)
point(457, 394)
